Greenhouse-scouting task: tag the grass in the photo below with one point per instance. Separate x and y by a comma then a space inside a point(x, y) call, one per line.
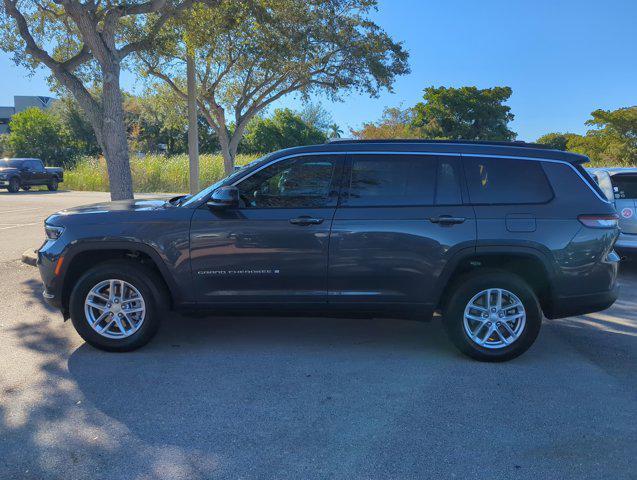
point(151, 173)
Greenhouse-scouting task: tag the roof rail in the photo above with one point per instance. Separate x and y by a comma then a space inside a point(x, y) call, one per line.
point(516, 143)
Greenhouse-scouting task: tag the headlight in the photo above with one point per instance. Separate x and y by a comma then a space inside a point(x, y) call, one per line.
point(52, 232)
point(3, 177)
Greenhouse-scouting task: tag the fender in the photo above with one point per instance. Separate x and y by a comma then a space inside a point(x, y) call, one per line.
point(524, 250)
point(97, 245)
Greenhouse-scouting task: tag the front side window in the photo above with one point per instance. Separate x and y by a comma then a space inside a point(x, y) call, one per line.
point(36, 166)
point(503, 181)
point(392, 180)
point(299, 182)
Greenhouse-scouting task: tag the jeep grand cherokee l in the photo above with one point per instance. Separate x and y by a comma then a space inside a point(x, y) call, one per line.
point(493, 236)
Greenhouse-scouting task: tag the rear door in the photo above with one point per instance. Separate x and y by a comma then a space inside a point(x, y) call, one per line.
point(625, 193)
point(400, 219)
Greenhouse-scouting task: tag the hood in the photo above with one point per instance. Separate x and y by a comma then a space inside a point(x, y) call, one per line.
point(117, 206)
point(121, 211)
point(8, 170)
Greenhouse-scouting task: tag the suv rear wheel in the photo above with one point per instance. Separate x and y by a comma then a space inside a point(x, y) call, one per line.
point(492, 316)
point(53, 186)
point(116, 306)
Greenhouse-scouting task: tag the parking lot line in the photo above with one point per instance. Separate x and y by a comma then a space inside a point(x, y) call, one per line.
point(20, 225)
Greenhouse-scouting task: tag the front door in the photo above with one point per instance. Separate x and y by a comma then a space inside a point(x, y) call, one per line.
point(400, 220)
point(274, 247)
point(38, 173)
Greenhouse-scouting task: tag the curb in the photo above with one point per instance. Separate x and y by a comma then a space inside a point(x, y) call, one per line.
point(30, 257)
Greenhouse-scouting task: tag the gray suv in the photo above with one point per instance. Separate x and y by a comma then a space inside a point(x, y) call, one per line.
point(493, 236)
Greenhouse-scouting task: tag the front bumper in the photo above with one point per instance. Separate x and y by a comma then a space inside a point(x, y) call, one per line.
point(626, 244)
point(47, 263)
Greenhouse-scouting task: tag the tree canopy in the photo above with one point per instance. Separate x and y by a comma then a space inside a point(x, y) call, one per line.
point(395, 123)
point(250, 54)
point(37, 133)
point(465, 113)
point(611, 141)
point(283, 129)
point(84, 45)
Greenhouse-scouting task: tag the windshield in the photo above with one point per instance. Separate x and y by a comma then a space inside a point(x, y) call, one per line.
point(9, 162)
point(190, 200)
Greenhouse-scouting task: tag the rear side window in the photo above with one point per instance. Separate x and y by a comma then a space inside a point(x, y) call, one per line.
point(392, 180)
point(624, 186)
point(506, 181)
point(448, 182)
point(403, 180)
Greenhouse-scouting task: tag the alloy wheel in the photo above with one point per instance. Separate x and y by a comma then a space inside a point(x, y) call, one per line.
point(494, 318)
point(114, 309)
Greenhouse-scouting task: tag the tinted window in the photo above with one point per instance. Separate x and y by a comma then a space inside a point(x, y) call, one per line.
point(448, 182)
point(392, 180)
point(36, 165)
point(624, 186)
point(506, 181)
point(294, 183)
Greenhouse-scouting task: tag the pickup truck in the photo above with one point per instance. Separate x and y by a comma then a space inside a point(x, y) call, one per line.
point(24, 173)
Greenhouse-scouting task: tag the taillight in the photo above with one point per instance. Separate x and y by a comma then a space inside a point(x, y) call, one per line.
point(599, 221)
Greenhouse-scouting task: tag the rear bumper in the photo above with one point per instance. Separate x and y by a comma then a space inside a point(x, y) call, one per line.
point(582, 304)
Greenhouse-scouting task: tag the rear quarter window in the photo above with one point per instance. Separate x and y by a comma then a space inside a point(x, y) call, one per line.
point(502, 181)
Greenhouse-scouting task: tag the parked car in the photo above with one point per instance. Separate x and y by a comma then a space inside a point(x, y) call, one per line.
point(491, 235)
point(620, 187)
point(24, 173)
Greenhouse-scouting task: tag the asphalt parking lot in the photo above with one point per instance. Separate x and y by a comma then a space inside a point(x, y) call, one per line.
point(304, 398)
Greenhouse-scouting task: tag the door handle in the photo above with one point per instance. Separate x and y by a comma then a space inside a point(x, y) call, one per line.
point(447, 220)
point(305, 220)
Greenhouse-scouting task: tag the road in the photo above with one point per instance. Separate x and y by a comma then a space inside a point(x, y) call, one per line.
point(304, 398)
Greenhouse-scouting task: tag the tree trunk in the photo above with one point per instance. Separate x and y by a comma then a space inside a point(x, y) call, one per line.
point(114, 142)
point(193, 133)
point(227, 152)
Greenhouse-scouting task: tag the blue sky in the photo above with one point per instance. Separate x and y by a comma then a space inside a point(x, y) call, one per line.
point(562, 58)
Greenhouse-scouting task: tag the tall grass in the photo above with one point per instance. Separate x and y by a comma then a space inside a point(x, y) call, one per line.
point(151, 173)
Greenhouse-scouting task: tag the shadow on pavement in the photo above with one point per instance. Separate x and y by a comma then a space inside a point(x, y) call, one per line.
point(33, 293)
point(621, 318)
point(207, 390)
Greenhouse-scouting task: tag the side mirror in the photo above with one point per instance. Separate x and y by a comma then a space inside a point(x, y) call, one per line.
point(224, 197)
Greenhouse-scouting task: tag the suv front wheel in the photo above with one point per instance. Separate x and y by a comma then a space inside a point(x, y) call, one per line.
point(116, 305)
point(492, 317)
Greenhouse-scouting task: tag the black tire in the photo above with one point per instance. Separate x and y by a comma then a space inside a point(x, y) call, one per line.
point(470, 285)
point(26, 188)
point(14, 185)
point(141, 277)
point(53, 186)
